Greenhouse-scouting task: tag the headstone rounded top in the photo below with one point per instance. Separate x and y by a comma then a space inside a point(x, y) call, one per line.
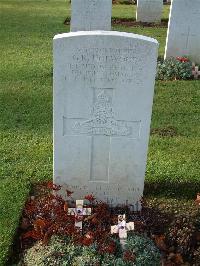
point(105, 33)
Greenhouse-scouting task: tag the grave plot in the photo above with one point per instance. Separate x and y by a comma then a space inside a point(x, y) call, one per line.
point(183, 33)
point(56, 230)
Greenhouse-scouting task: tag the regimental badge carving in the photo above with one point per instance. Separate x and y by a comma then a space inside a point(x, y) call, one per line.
point(103, 121)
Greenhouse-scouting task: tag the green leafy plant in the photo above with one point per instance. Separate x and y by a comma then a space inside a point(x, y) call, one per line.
point(146, 254)
point(62, 251)
point(174, 69)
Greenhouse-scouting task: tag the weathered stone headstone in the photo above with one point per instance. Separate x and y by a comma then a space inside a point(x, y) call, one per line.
point(149, 10)
point(89, 15)
point(103, 95)
point(183, 37)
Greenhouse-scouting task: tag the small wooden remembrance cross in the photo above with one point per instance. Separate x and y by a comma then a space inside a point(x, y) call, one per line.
point(79, 213)
point(195, 71)
point(122, 228)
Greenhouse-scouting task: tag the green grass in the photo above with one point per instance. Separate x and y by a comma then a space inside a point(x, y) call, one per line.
point(27, 29)
point(129, 11)
point(13, 193)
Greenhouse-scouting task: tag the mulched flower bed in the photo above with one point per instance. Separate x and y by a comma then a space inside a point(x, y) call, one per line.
point(131, 23)
point(173, 225)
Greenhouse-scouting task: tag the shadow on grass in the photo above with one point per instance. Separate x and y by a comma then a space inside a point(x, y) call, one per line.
point(173, 189)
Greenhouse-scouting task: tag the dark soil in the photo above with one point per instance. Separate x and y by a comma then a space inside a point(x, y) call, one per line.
point(130, 23)
point(165, 131)
point(133, 23)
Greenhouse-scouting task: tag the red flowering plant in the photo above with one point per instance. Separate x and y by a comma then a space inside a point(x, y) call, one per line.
point(52, 186)
point(129, 256)
point(47, 215)
point(90, 198)
point(174, 69)
point(182, 59)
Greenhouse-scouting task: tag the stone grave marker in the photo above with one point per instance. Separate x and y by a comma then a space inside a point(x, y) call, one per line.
point(91, 15)
point(103, 95)
point(149, 10)
point(183, 37)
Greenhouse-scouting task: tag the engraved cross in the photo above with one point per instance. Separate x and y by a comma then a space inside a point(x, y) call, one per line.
point(188, 36)
point(101, 127)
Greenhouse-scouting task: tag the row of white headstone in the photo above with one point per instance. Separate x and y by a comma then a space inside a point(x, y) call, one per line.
point(149, 11)
point(183, 37)
point(96, 14)
point(103, 96)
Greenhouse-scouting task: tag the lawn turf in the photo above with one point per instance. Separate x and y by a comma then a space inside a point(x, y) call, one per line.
point(27, 29)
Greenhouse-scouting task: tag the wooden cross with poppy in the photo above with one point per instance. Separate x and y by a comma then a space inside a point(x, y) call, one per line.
point(195, 71)
point(79, 212)
point(122, 228)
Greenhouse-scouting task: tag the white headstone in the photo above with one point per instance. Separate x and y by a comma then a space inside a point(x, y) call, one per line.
point(89, 15)
point(183, 37)
point(149, 10)
point(103, 95)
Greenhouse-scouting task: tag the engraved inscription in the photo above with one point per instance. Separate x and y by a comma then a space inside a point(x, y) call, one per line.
point(107, 65)
point(102, 121)
point(102, 189)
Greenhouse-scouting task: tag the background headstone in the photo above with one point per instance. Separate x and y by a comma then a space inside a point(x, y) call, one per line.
point(149, 10)
point(89, 15)
point(103, 95)
point(183, 37)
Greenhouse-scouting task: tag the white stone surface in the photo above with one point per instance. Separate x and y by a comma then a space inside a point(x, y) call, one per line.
point(149, 10)
point(183, 37)
point(103, 94)
point(89, 15)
